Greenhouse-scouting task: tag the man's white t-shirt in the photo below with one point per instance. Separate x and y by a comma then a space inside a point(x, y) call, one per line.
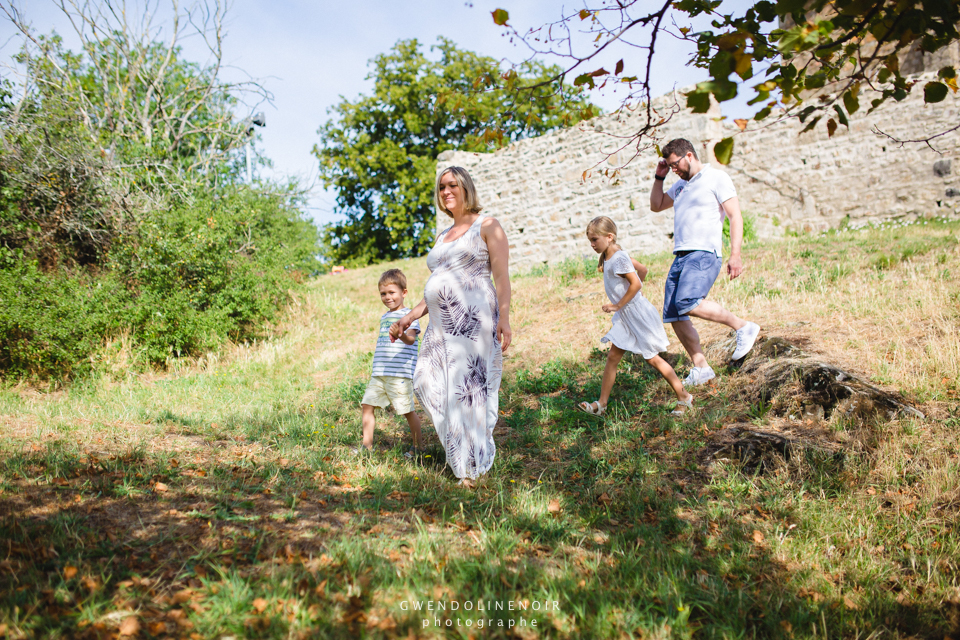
point(697, 214)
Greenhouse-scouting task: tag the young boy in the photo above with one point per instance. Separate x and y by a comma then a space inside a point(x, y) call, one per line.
point(393, 364)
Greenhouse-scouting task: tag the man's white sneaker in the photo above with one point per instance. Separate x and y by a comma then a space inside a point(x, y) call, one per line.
point(746, 336)
point(699, 375)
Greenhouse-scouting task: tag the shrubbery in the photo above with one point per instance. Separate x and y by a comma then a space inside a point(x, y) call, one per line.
point(207, 270)
point(124, 213)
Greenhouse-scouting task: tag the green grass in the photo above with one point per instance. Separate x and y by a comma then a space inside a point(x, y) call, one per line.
point(221, 500)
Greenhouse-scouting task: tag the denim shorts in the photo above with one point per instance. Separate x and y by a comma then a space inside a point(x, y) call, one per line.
point(688, 282)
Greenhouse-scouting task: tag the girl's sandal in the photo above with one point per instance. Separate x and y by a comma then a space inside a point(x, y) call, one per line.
point(682, 407)
point(588, 408)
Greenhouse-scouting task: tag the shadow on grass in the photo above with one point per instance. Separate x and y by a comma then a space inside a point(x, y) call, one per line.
point(285, 535)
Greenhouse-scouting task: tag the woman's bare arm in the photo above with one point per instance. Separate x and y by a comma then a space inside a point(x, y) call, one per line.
point(499, 249)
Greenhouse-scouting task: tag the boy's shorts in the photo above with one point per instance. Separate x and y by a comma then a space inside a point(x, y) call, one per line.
point(385, 390)
point(688, 282)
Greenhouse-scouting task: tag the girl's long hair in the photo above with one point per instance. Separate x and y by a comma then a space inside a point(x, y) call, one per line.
point(602, 226)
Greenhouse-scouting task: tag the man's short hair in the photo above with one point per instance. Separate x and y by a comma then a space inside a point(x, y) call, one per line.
point(393, 276)
point(679, 147)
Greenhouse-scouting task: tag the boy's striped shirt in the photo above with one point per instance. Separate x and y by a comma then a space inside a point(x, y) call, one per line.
point(395, 358)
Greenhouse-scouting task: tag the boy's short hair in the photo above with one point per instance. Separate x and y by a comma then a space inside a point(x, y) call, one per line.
point(393, 276)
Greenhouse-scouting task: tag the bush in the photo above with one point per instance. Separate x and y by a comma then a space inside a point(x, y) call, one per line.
point(122, 212)
point(217, 267)
point(749, 229)
point(51, 323)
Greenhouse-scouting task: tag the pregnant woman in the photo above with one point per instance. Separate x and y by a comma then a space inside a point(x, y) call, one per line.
point(457, 379)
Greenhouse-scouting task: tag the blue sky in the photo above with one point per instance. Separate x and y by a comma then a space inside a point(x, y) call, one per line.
point(309, 54)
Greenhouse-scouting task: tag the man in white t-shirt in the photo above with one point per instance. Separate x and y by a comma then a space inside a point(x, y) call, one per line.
point(701, 199)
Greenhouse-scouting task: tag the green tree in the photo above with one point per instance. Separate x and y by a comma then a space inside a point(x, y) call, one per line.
point(122, 207)
point(817, 58)
point(380, 151)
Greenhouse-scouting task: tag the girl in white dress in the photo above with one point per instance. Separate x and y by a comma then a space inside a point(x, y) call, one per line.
point(636, 323)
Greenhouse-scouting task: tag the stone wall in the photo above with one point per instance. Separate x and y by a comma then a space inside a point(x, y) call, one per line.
point(544, 190)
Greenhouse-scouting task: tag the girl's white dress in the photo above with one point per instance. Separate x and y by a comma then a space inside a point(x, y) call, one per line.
point(637, 327)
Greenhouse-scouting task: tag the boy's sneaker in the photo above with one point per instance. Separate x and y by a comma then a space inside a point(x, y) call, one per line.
point(746, 337)
point(699, 375)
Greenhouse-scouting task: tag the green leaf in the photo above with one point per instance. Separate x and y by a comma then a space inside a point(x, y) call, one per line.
point(766, 11)
point(841, 116)
point(724, 150)
point(763, 113)
point(698, 101)
point(884, 75)
point(812, 124)
point(851, 101)
point(584, 78)
point(815, 81)
point(947, 72)
point(500, 16)
point(934, 92)
point(803, 115)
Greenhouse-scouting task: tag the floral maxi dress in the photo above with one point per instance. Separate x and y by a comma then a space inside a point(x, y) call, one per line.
point(457, 379)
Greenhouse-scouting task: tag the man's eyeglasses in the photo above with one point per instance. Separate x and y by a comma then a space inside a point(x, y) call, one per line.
point(674, 165)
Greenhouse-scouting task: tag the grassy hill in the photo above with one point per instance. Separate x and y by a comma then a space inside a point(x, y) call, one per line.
point(220, 498)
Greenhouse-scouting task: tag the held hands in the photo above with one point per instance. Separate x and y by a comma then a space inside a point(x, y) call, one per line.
point(734, 266)
point(610, 308)
point(397, 328)
point(504, 334)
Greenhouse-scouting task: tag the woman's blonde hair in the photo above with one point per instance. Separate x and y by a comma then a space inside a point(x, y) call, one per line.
point(603, 226)
point(471, 203)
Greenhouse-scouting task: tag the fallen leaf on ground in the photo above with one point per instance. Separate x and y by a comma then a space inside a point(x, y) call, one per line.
point(184, 595)
point(69, 572)
point(260, 605)
point(160, 487)
point(554, 506)
point(757, 536)
point(130, 626)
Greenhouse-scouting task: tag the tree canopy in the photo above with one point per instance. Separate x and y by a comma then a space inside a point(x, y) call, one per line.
point(813, 59)
point(122, 206)
point(379, 152)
